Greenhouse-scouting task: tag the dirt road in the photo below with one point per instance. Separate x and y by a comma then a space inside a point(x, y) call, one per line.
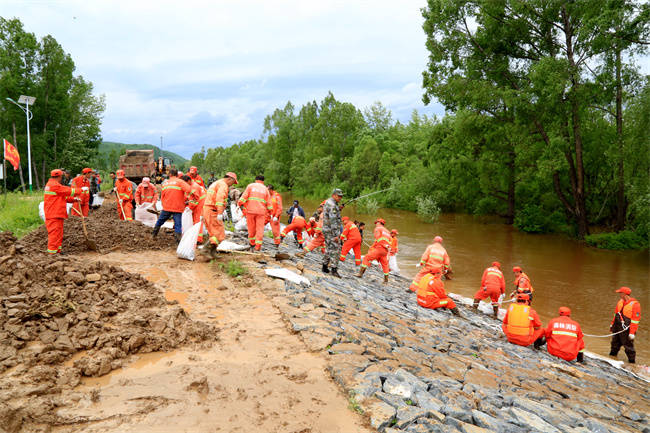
point(257, 378)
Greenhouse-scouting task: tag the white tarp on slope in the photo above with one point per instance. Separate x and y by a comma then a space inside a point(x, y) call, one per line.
point(286, 274)
point(231, 246)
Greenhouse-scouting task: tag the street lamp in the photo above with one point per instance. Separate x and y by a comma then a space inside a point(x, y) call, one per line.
point(27, 100)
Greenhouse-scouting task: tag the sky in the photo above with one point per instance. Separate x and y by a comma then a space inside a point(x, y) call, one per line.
point(206, 73)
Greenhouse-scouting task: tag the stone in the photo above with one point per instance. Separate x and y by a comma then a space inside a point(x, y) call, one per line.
point(486, 421)
point(483, 378)
point(64, 343)
point(368, 385)
point(302, 324)
point(47, 336)
point(532, 421)
point(316, 342)
point(347, 348)
point(93, 278)
point(395, 386)
point(381, 415)
point(427, 401)
point(390, 399)
point(76, 277)
point(406, 415)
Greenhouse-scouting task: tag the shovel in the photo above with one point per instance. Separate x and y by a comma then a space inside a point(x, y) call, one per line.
point(117, 197)
point(277, 256)
point(91, 244)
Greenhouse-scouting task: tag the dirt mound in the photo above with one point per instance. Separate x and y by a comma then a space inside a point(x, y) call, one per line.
point(92, 315)
point(106, 229)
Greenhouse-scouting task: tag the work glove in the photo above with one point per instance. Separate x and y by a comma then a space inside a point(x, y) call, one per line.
point(84, 188)
point(220, 217)
point(275, 219)
point(417, 266)
point(631, 337)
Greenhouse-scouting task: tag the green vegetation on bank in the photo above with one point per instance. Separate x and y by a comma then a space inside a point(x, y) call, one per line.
point(19, 212)
point(109, 154)
point(551, 139)
point(65, 127)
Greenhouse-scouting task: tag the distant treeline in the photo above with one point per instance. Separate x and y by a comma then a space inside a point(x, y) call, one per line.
point(65, 127)
point(547, 124)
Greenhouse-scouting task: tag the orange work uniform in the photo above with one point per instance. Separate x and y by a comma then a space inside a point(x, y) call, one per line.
point(55, 198)
point(351, 238)
point(564, 338)
point(276, 212)
point(215, 205)
point(379, 249)
point(431, 293)
point(318, 240)
point(198, 179)
point(394, 245)
point(124, 196)
point(434, 259)
point(627, 314)
point(256, 201)
point(298, 224)
point(523, 285)
point(195, 203)
point(146, 194)
point(173, 194)
point(83, 206)
point(493, 284)
point(521, 325)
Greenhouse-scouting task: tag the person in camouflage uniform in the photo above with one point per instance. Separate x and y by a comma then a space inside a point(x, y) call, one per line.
point(331, 231)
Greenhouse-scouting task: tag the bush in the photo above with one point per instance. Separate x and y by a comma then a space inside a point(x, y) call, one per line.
point(367, 206)
point(428, 209)
point(531, 219)
point(19, 213)
point(234, 268)
point(623, 240)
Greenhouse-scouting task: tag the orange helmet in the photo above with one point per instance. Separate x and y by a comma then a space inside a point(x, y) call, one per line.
point(119, 174)
point(380, 221)
point(516, 269)
point(496, 265)
point(437, 239)
point(86, 170)
point(564, 311)
point(394, 232)
point(194, 170)
point(625, 290)
point(56, 173)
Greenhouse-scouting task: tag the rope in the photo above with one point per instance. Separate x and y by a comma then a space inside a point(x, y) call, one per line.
point(608, 335)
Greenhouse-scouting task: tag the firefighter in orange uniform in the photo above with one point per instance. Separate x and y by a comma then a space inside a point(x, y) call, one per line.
point(317, 240)
point(493, 285)
point(55, 198)
point(431, 293)
point(146, 192)
point(351, 238)
point(394, 243)
point(522, 284)
point(124, 191)
point(173, 203)
point(82, 183)
point(214, 209)
point(379, 250)
point(521, 323)
point(627, 316)
point(298, 224)
point(434, 259)
point(564, 337)
point(195, 202)
point(194, 174)
point(276, 213)
point(256, 202)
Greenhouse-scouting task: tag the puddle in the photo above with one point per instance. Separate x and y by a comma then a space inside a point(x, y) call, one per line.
point(144, 360)
point(180, 297)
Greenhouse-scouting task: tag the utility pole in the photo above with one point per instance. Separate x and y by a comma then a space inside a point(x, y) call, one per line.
point(161, 151)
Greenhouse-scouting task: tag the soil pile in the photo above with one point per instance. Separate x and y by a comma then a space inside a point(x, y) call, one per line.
point(106, 229)
point(52, 308)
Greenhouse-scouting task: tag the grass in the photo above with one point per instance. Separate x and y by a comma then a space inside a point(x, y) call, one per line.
point(353, 404)
point(19, 212)
point(234, 268)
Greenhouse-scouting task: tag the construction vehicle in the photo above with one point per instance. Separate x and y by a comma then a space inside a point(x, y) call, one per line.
point(138, 164)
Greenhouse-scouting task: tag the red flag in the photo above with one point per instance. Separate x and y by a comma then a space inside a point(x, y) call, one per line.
point(11, 155)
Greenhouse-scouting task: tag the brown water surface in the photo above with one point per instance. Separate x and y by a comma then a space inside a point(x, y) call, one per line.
point(563, 272)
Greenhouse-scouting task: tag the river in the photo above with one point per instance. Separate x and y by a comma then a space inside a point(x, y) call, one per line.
point(563, 272)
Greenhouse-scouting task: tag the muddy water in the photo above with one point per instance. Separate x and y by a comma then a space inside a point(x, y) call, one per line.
point(563, 272)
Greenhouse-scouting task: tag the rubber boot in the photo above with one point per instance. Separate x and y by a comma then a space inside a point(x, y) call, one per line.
point(495, 308)
point(455, 312)
point(385, 279)
point(326, 269)
point(155, 232)
point(475, 306)
point(208, 250)
point(362, 270)
point(335, 273)
point(277, 246)
point(177, 237)
point(539, 343)
point(581, 357)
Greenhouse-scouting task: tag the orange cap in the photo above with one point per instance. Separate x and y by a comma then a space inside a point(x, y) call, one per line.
point(380, 220)
point(516, 269)
point(564, 311)
point(345, 218)
point(496, 265)
point(56, 173)
point(233, 175)
point(194, 170)
point(394, 232)
point(437, 239)
point(119, 174)
point(625, 290)
point(87, 170)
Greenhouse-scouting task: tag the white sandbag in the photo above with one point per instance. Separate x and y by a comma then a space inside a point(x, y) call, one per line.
point(41, 210)
point(288, 275)
point(392, 264)
point(144, 216)
point(187, 246)
point(241, 225)
point(68, 207)
point(231, 246)
point(187, 221)
point(97, 200)
point(236, 213)
point(169, 224)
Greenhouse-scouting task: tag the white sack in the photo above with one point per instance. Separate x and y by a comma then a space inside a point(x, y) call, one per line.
point(41, 210)
point(145, 217)
point(187, 221)
point(241, 225)
point(392, 264)
point(97, 200)
point(236, 213)
point(187, 246)
point(286, 274)
point(230, 246)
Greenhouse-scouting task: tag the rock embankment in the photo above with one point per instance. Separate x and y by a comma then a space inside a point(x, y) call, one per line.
point(61, 319)
point(416, 370)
